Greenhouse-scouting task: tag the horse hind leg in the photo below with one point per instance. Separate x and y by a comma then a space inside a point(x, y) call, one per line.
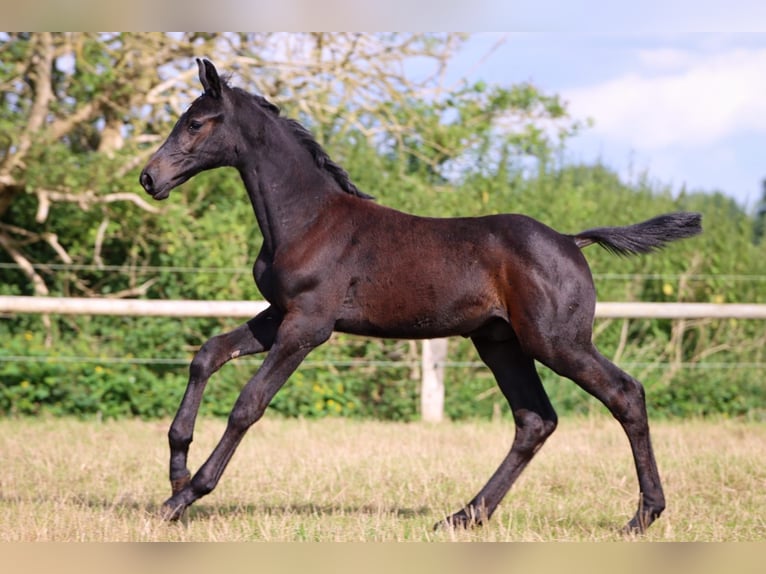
point(533, 415)
point(625, 398)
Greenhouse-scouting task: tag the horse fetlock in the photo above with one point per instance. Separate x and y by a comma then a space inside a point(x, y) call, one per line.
point(178, 484)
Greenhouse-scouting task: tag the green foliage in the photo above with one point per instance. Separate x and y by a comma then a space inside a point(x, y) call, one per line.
point(53, 385)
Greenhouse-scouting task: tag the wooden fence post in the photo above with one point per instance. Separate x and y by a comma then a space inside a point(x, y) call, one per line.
point(433, 355)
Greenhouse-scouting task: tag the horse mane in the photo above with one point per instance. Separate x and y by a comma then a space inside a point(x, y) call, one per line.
point(306, 139)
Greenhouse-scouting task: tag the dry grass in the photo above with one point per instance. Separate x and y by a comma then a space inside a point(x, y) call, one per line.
point(338, 480)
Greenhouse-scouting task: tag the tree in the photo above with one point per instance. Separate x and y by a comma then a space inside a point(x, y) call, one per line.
point(759, 226)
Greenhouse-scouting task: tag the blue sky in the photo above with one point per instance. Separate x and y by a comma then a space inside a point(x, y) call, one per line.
point(688, 108)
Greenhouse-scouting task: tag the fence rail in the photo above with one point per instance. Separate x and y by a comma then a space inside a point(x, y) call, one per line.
point(247, 309)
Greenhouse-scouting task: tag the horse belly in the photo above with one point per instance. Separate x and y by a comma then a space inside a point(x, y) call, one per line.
point(422, 278)
point(417, 308)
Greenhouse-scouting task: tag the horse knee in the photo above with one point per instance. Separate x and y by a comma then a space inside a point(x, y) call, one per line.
point(626, 400)
point(549, 425)
point(179, 438)
point(532, 428)
point(203, 484)
point(206, 361)
point(245, 413)
point(634, 392)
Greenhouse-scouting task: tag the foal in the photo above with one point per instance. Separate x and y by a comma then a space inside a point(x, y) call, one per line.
point(332, 260)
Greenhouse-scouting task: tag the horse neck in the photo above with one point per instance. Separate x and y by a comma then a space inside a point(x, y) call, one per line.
point(286, 187)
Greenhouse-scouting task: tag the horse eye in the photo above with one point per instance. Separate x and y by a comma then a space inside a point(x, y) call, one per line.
point(195, 125)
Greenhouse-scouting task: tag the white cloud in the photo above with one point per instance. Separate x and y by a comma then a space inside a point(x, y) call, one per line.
point(678, 98)
point(666, 59)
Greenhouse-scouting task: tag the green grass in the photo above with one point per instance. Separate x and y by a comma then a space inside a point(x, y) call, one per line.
point(340, 480)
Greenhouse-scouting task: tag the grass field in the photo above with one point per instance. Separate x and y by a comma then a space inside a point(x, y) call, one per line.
point(338, 480)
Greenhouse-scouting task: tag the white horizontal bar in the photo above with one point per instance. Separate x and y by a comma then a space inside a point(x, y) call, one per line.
point(681, 310)
point(191, 308)
point(135, 307)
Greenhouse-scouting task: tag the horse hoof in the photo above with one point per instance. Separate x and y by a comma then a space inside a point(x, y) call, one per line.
point(641, 521)
point(459, 520)
point(171, 512)
point(634, 528)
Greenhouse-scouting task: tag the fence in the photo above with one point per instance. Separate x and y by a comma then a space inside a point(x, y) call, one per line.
point(433, 352)
point(247, 309)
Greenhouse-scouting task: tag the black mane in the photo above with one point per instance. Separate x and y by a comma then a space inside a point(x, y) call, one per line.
point(306, 139)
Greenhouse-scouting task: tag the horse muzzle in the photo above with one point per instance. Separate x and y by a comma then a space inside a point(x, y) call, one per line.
point(148, 183)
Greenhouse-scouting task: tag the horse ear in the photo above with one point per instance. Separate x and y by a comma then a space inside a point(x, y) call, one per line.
point(209, 78)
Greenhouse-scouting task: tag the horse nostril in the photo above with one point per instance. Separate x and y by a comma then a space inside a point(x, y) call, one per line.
point(147, 182)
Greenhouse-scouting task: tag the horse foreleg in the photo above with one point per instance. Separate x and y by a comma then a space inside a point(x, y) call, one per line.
point(255, 336)
point(534, 417)
point(295, 338)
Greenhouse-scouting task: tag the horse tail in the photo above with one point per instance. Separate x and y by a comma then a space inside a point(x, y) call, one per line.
point(645, 237)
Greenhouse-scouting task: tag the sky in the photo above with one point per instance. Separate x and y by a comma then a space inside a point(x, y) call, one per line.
point(688, 109)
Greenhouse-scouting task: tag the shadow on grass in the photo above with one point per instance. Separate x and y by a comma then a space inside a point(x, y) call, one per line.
point(306, 509)
point(202, 511)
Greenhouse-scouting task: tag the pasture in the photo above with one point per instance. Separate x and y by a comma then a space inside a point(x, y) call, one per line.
point(340, 480)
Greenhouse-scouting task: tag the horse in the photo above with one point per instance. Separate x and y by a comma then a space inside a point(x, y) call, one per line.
point(333, 259)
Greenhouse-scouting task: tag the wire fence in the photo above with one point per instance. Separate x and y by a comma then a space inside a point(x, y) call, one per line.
point(420, 362)
point(351, 363)
point(354, 363)
point(743, 278)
